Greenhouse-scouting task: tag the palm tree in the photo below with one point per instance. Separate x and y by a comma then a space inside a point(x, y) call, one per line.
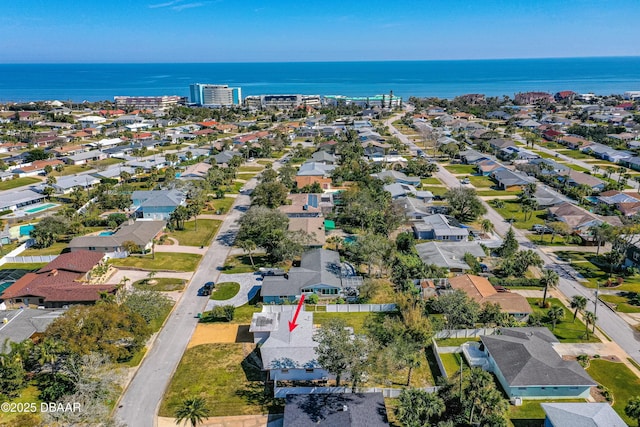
point(549, 279)
point(633, 408)
point(192, 409)
point(601, 233)
point(486, 226)
point(335, 240)
point(589, 319)
point(637, 179)
point(555, 314)
point(579, 303)
point(595, 169)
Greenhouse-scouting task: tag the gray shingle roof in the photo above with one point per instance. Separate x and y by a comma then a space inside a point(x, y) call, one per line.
point(448, 254)
point(582, 415)
point(363, 410)
point(24, 323)
point(315, 169)
point(158, 198)
point(526, 358)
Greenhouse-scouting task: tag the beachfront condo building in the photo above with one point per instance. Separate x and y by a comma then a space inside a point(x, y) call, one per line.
point(147, 102)
point(282, 101)
point(215, 95)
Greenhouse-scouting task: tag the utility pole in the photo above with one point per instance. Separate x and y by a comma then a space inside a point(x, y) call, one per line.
point(595, 308)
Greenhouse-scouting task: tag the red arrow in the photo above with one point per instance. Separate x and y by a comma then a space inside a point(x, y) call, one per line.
point(292, 323)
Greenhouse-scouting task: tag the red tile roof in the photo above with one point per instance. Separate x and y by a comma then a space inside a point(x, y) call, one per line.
point(208, 124)
point(78, 262)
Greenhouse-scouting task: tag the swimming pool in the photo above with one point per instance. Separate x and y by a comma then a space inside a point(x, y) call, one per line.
point(25, 230)
point(106, 233)
point(40, 208)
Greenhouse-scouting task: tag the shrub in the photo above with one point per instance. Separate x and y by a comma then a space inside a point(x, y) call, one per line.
point(311, 299)
point(517, 281)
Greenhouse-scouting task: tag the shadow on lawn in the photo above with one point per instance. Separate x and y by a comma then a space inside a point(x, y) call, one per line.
point(257, 392)
point(527, 422)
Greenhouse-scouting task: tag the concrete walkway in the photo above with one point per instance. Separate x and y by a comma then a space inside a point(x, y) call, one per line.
point(135, 275)
point(181, 249)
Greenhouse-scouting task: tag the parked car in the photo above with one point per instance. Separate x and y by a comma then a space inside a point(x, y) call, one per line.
point(206, 289)
point(541, 229)
point(271, 271)
point(465, 181)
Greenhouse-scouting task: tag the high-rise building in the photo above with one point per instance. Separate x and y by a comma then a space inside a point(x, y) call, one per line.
point(152, 102)
point(215, 95)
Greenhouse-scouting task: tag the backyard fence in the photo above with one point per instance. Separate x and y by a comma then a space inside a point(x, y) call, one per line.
point(282, 392)
point(465, 333)
point(17, 251)
point(357, 308)
point(30, 259)
point(436, 353)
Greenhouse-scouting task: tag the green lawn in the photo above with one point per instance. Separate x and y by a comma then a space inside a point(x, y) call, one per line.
point(250, 169)
point(72, 169)
point(545, 239)
point(461, 169)
point(55, 249)
point(566, 330)
point(494, 193)
point(583, 263)
point(432, 180)
point(454, 342)
point(513, 209)
point(530, 413)
point(451, 362)
point(479, 181)
point(246, 176)
point(27, 395)
point(621, 303)
point(107, 162)
point(576, 167)
point(225, 290)
point(227, 376)
point(437, 191)
point(574, 154)
point(242, 264)
point(163, 284)
point(162, 261)
point(224, 204)
point(355, 320)
point(23, 266)
point(619, 380)
point(207, 229)
point(233, 188)
point(18, 182)
point(265, 162)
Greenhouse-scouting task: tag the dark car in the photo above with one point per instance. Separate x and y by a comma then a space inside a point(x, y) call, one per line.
point(206, 289)
point(271, 272)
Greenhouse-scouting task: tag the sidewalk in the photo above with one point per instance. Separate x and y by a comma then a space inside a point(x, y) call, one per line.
point(231, 421)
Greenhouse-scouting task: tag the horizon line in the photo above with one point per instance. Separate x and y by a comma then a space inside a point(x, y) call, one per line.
point(326, 61)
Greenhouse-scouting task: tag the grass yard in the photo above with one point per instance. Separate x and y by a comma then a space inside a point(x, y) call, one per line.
point(227, 376)
point(566, 330)
point(163, 284)
point(495, 193)
point(621, 303)
point(27, 395)
point(619, 380)
point(162, 261)
point(479, 181)
point(576, 167)
point(107, 162)
point(355, 320)
point(31, 266)
point(207, 229)
point(451, 362)
point(455, 342)
point(71, 170)
point(432, 180)
point(461, 169)
point(574, 154)
point(437, 191)
point(223, 204)
point(246, 176)
point(55, 249)
point(545, 239)
point(513, 209)
point(264, 162)
point(242, 264)
point(233, 188)
point(583, 264)
point(18, 182)
point(225, 290)
point(530, 413)
point(250, 169)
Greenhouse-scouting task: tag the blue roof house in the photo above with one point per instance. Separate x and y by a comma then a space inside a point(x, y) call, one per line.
point(158, 204)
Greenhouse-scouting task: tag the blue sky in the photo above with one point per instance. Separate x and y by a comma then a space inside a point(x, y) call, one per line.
point(284, 30)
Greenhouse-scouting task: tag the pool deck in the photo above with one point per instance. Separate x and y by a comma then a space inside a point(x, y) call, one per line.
point(25, 211)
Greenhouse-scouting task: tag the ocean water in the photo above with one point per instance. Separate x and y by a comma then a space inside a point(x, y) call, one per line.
point(92, 82)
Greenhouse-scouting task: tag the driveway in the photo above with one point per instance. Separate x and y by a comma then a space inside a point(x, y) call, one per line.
point(249, 285)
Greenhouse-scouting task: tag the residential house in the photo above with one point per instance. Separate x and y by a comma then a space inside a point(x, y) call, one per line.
point(579, 220)
point(574, 142)
point(320, 272)
point(16, 199)
point(335, 409)
point(550, 167)
point(632, 163)
point(68, 150)
point(500, 115)
point(157, 204)
point(91, 121)
point(551, 134)
point(527, 98)
point(62, 282)
point(500, 143)
point(287, 355)
point(196, 171)
point(36, 168)
point(141, 233)
point(439, 227)
point(114, 172)
point(510, 181)
point(85, 157)
point(472, 157)
point(312, 172)
point(148, 164)
point(307, 205)
point(414, 209)
point(314, 227)
point(627, 203)
point(528, 124)
point(486, 167)
point(403, 190)
point(547, 197)
point(449, 254)
point(324, 157)
point(528, 367)
point(581, 414)
point(482, 291)
point(66, 184)
point(24, 324)
point(223, 158)
point(397, 177)
point(575, 178)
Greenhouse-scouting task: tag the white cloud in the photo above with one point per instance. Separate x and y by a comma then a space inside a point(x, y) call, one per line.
point(181, 7)
point(167, 4)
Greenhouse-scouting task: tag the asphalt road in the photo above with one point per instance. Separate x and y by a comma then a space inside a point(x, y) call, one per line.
point(140, 402)
point(608, 321)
